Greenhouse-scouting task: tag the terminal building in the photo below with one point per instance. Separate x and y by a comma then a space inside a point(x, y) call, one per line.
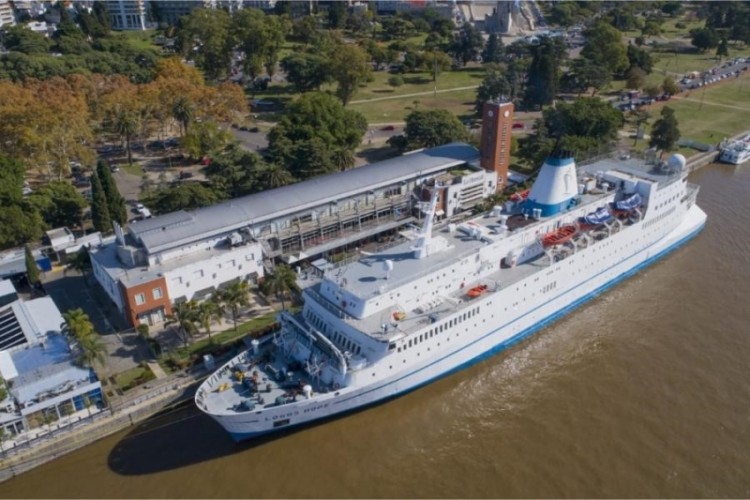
point(184, 256)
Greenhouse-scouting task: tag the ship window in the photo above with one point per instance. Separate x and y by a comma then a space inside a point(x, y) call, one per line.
point(391, 347)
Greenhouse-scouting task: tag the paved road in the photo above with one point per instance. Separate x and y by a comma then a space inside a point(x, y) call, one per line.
point(415, 94)
point(70, 291)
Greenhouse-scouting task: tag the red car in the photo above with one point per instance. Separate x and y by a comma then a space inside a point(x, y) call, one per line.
point(388, 128)
point(518, 125)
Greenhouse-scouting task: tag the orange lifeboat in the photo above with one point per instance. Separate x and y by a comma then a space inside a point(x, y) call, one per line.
point(399, 315)
point(476, 291)
point(559, 236)
point(519, 195)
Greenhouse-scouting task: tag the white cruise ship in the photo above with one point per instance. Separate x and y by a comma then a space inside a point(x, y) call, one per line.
point(400, 318)
point(735, 152)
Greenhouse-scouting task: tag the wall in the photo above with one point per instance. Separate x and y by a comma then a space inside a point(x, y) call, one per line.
point(132, 309)
point(184, 281)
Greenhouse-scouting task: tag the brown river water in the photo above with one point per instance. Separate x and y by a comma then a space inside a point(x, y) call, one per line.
point(642, 392)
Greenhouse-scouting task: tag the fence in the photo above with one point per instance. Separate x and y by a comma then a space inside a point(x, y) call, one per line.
point(36, 452)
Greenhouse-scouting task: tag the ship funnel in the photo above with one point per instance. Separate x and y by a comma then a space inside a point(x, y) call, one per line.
point(555, 187)
point(307, 389)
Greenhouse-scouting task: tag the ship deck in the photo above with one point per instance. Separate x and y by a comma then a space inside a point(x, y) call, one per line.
point(268, 379)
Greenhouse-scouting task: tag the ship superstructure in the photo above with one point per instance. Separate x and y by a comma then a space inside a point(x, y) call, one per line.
point(398, 318)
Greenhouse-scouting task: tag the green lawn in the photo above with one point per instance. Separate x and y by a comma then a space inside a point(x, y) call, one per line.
point(139, 39)
point(724, 112)
point(391, 110)
point(134, 377)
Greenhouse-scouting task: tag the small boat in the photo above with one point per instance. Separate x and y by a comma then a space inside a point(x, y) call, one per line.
point(559, 236)
point(476, 291)
point(399, 315)
point(520, 195)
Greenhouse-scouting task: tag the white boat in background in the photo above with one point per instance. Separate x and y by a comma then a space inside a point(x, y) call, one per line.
point(398, 319)
point(736, 151)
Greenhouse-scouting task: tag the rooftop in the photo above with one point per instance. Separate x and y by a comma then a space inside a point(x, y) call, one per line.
point(178, 228)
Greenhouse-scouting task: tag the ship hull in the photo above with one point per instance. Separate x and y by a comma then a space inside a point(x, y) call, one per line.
point(245, 426)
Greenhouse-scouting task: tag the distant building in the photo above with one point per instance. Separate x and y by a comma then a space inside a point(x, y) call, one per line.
point(128, 14)
point(38, 366)
point(7, 18)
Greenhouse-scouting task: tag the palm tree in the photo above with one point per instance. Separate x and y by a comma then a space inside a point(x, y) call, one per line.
point(342, 158)
point(127, 124)
point(77, 324)
point(93, 351)
point(209, 311)
point(184, 315)
point(235, 296)
point(183, 112)
point(275, 175)
point(87, 403)
point(282, 280)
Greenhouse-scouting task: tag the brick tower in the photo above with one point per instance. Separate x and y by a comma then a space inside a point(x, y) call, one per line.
point(494, 148)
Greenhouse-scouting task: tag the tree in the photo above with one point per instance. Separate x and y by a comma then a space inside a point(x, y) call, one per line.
point(32, 270)
point(93, 351)
point(640, 58)
point(22, 39)
point(544, 72)
point(209, 311)
point(81, 261)
point(669, 86)
point(337, 14)
point(126, 124)
point(115, 202)
point(604, 47)
point(640, 118)
point(236, 296)
point(274, 176)
point(495, 85)
point(493, 51)
point(466, 45)
point(665, 133)
point(704, 39)
point(282, 281)
point(77, 324)
point(59, 203)
point(184, 196)
point(259, 37)
point(589, 75)
point(99, 207)
point(722, 50)
point(349, 66)
point(185, 316)
point(183, 111)
point(314, 117)
point(19, 224)
point(305, 71)
point(636, 78)
point(430, 128)
point(204, 37)
point(12, 176)
point(203, 138)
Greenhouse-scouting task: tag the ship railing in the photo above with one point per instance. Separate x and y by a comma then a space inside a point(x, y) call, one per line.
point(327, 304)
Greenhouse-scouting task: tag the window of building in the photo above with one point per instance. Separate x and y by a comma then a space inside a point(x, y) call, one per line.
point(157, 293)
point(140, 299)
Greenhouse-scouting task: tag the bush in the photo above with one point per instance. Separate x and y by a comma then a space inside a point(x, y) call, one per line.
point(680, 26)
point(142, 330)
point(395, 81)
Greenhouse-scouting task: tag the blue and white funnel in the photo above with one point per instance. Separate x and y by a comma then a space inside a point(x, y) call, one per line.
point(555, 187)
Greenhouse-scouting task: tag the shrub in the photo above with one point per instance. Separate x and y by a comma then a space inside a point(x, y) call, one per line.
point(395, 81)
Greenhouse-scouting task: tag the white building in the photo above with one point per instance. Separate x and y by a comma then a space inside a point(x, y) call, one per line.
point(6, 14)
point(128, 14)
point(38, 365)
point(144, 280)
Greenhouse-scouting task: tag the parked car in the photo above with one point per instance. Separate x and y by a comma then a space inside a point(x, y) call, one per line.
point(388, 128)
point(114, 168)
point(186, 175)
point(82, 181)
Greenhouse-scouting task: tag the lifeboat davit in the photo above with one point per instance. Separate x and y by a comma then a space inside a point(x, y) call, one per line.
point(559, 236)
point(519, 195)
point(476, 291)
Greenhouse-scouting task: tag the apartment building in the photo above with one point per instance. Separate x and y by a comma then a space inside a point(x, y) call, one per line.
point(7, 17)
point(128, 14)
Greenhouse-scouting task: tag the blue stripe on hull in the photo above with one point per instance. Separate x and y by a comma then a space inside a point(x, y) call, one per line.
point(498, 348)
